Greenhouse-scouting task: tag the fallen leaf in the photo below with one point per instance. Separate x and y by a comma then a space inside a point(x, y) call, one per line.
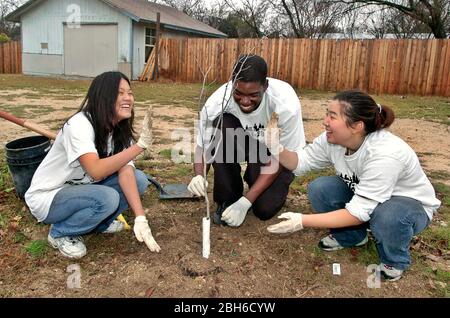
point(149, 292)
point(13, 226)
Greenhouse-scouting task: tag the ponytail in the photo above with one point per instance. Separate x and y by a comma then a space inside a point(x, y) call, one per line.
point(384, 118)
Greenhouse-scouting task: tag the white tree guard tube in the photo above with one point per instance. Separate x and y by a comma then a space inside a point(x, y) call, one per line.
point(206, 243)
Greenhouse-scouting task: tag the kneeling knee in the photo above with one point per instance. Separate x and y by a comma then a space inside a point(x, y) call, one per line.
point(109, 202)
point(315, 188)
point(264, 213)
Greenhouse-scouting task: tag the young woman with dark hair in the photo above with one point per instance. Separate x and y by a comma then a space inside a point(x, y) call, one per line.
point(379, 183)
point(88, 177)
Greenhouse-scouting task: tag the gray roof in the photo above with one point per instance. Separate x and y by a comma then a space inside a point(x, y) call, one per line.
point(142, 11)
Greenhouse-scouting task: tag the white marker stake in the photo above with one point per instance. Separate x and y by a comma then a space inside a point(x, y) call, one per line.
point(206, 226)
point(336, 269)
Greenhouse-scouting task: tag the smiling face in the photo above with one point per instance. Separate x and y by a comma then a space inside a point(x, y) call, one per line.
point(337, 130)
point(124, 102)
point(248, 95)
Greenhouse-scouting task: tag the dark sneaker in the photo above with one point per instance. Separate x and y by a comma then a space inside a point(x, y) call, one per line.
point(329, 243)
point(217, 219)
point(390, 273)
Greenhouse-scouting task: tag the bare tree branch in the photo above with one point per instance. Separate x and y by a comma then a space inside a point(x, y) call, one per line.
point(433, 13)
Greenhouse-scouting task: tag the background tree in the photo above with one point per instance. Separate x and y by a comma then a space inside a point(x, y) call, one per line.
point(435, 14)
point(253, 13)
point(309, 18)
point(193, 8)
point(11, 30)
point(404, 27)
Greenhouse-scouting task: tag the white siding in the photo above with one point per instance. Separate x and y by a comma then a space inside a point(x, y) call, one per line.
point(138, 49)
point(44, 24)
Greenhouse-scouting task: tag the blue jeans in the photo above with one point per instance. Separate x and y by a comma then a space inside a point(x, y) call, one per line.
point(393, 222)
point(81, 209)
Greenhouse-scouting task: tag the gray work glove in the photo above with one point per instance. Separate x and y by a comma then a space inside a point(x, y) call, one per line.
point(198, 186)
point(292, 224)
point(272, 135)
point(146, 138)
point(144, 234)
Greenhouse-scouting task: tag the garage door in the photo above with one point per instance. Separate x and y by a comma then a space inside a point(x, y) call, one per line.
point(90, 50)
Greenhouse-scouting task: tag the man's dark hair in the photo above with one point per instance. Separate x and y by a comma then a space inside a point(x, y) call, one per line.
point(250, 68)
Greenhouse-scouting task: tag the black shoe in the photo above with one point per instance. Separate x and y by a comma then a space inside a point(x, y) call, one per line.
point(217, 219)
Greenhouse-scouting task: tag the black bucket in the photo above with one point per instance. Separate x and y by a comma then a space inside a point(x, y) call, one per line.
point(23, 157)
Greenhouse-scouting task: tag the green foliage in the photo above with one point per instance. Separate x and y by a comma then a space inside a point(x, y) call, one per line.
point(3, 222)
point(166, 153)
point(300, 183)
point(37, 248)
point(4, 38)
point(19, 237)
point(367, 254)
point(432, 108)
point(5, 178)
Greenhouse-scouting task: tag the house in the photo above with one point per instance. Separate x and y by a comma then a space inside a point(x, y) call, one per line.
point(88, 37)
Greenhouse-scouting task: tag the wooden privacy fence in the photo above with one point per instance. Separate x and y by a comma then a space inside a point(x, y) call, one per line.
point(11, 58)
point(377, 66)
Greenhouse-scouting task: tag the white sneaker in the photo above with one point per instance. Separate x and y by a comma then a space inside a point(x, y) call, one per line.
point(329, 243)
point(114, 227)
point(69, 246)
point(390, 273)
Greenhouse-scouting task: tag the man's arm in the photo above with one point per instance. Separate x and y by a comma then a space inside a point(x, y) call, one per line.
point(263, 181)
point(199, 162)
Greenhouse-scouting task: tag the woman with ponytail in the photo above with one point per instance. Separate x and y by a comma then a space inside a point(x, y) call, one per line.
point(379, 183)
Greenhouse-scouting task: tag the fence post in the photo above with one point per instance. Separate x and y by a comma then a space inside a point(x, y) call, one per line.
point(11, 58)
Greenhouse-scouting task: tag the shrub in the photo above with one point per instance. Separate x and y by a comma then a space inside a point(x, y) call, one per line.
point(4, 38)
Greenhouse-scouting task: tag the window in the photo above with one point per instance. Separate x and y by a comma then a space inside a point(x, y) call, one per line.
point(150, 40)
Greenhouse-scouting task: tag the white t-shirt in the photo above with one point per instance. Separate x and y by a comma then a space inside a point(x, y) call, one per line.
point(384, 166)
point(279, 97)
point(61, 168)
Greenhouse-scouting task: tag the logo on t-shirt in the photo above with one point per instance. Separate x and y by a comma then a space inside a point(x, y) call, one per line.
point(255, 131)
point(350, 181)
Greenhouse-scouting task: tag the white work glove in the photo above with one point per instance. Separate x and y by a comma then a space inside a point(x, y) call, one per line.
point(292, 224)
point(144, 234)
point(235, 214)
point(272, 135)
point(198, 186)
point(146, 138)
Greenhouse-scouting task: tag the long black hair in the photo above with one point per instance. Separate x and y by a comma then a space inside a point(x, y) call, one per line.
point(99, 105)
point(359, 106)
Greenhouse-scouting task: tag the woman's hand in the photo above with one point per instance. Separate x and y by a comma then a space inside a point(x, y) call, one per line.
point(144, 234)
point(292, 224)
point(146, 138)
point(272, 135)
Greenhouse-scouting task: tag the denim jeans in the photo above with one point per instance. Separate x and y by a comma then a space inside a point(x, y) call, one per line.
point(393, 222)
point(81, 209)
